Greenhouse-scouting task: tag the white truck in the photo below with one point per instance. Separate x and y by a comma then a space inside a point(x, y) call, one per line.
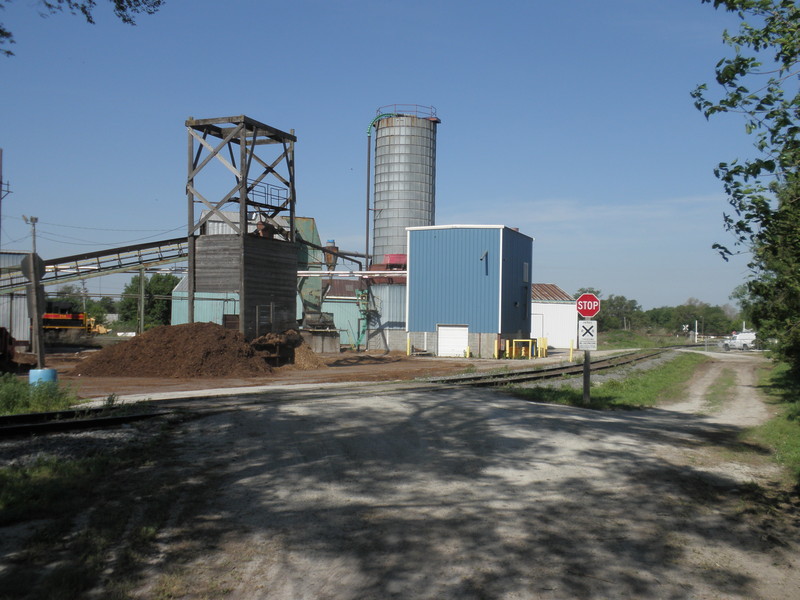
point(745, 340)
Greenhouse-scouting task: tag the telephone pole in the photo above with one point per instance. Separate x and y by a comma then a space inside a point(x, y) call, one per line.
point(4, 191)
point(32, 221)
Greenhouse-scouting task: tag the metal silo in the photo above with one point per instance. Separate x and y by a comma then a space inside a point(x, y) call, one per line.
point(405, 175)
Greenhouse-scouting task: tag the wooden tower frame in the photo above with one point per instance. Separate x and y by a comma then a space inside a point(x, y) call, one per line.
point(239, 144)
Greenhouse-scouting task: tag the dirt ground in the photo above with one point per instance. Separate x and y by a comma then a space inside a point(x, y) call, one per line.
point(420, 491)
point(341, 367)
point(199, 356)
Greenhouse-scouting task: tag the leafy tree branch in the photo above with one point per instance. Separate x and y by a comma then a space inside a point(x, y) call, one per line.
point(125, 10)
point(761, 80)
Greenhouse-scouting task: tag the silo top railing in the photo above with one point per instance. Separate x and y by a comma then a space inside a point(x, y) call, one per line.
point(412, 110)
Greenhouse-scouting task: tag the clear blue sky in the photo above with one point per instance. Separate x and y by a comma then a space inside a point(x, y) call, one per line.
point(569, 120)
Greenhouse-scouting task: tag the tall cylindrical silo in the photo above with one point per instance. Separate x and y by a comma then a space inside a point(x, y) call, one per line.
point(405, 176)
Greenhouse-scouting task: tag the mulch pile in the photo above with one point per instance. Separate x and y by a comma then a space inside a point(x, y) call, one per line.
point(189, 350)
point(306, 358)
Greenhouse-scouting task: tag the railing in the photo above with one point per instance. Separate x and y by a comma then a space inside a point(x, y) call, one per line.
point(413, 110)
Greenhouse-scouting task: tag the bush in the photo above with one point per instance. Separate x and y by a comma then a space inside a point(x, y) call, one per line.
point(18, 396)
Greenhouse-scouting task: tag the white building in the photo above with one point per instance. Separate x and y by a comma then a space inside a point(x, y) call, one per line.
point(553, 315)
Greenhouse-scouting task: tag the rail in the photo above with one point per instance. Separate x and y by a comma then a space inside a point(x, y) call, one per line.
point(527, 375)
point(70, 420)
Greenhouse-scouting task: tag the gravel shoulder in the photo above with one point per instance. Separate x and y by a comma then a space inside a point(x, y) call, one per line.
point(417, 491)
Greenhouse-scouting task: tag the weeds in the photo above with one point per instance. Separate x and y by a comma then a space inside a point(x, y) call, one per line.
point(618, 339)
point(782, 432)
point(663, 384)
point(18, 396)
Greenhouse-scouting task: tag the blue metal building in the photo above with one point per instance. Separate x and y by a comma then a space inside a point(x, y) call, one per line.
point(468, 288)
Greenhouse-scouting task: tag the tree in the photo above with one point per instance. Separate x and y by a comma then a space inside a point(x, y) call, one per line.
point(125, 10)
point(618, 312)
point(157, 296)
point(760, 81)
point(587, 290)
point(80, 301)
point(710, 320)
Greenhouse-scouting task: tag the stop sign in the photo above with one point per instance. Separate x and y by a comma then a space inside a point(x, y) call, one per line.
point(588, 305)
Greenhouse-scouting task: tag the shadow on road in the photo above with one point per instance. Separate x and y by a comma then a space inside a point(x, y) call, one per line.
point(459, 494)
point(445, 493)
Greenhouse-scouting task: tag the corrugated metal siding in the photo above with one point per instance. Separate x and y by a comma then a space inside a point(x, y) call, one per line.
point(454, 278)
point(14, 307)
point(345, 316)
point(405, 179)
point(14, 315)
point(11, 260)
point(208, 307)
point(516, 295)
point(218, 226)
point(390, 302)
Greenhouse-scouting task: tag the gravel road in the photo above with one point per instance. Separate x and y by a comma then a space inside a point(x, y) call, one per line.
point(405, 491)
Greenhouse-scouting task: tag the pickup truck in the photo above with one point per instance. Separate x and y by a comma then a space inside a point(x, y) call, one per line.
point(741, 341)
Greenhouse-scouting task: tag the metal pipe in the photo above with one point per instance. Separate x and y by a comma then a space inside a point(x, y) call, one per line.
point(366, 235)
point(366, 240)
point(352, 273)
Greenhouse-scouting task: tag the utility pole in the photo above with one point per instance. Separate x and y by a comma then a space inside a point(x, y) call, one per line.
point(34, 271)
point(140, 328)
point(32, 221)
point(4, 191)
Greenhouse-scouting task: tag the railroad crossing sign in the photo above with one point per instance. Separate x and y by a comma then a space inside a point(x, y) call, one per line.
point(587, 335)
point(588, 305)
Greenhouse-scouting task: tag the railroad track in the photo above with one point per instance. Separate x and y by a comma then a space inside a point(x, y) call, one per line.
point(539, 374)
point(69, 420)
point(97, 418)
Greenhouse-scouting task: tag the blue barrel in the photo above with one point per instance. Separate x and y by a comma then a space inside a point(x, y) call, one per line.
point(42, 376)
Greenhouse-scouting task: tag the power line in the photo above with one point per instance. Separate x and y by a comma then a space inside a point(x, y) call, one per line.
point(106, 228)
point(106, 244)
point(98, 228)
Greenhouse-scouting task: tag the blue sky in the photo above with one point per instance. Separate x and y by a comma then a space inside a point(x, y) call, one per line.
point(569, 120)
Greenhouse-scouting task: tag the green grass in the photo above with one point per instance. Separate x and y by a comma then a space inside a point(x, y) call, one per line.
point(618, 339)
point(18, 396)
point(647, 388)
point(782, 433)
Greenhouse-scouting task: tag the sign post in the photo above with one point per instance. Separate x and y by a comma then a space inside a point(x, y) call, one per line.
point(588, 305)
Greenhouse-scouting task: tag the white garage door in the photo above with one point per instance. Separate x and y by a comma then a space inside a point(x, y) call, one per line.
point(453, 340)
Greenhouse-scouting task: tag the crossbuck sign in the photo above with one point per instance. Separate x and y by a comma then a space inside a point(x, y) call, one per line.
point(587, 335)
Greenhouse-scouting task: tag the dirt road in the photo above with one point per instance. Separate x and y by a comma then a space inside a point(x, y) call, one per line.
point(403, 491)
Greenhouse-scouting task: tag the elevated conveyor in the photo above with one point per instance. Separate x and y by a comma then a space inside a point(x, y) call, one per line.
point(103, 262)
